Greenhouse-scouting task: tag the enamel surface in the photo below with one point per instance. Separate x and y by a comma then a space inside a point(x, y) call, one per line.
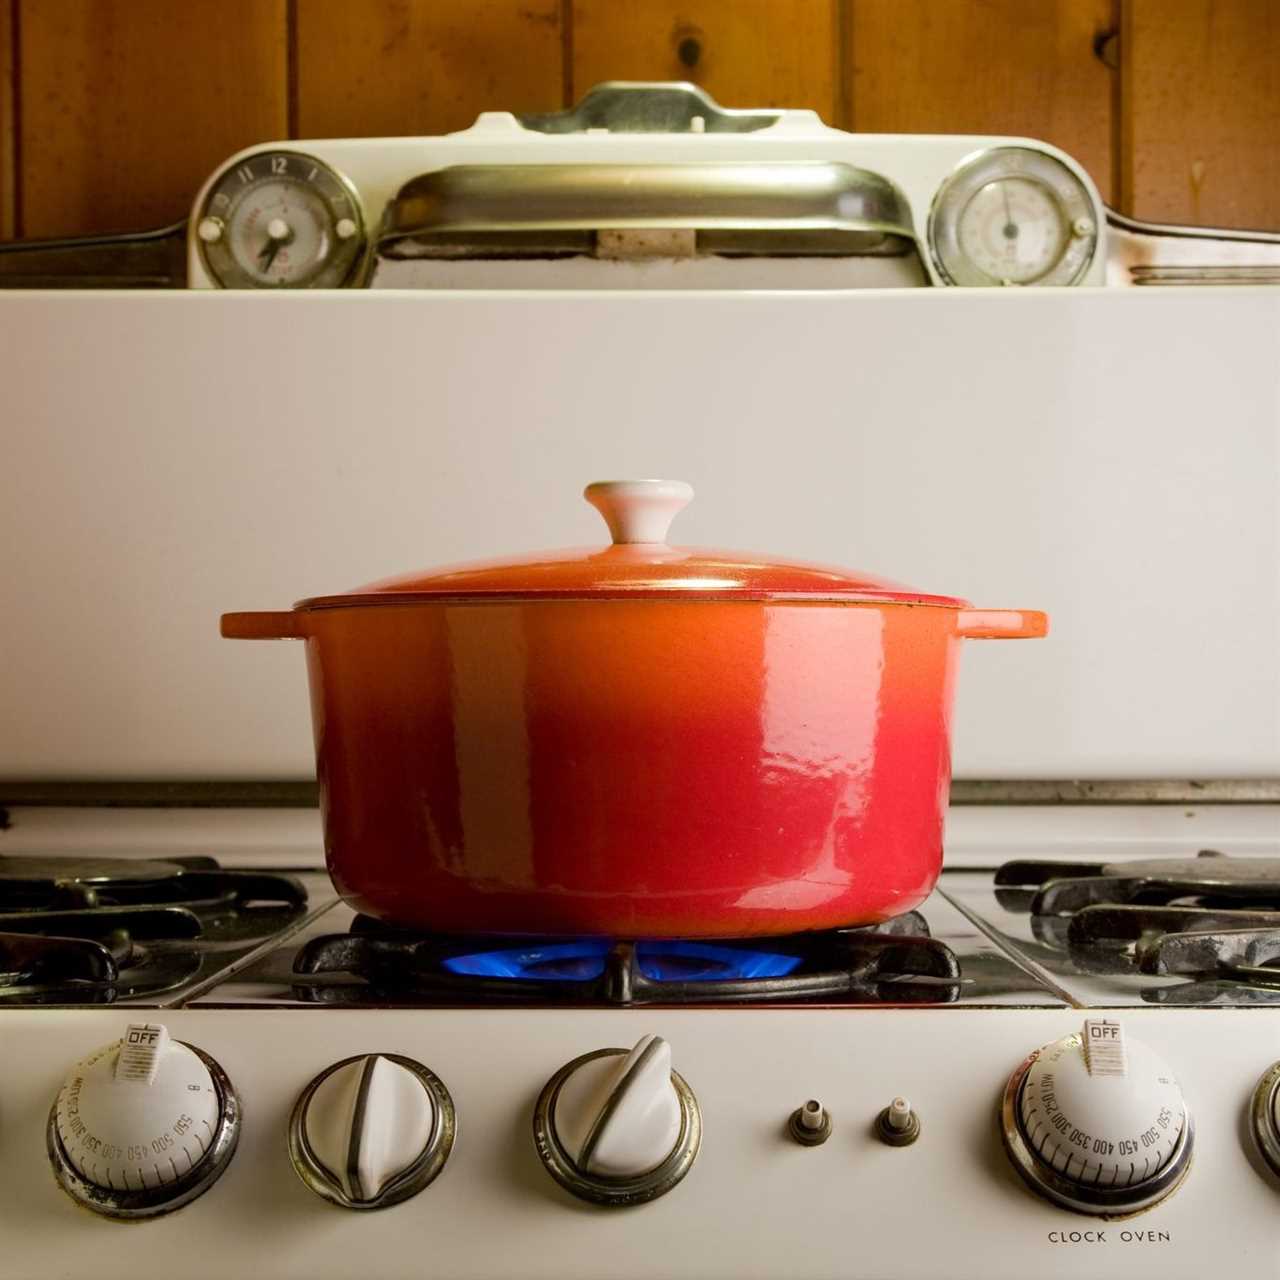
point(644, 768)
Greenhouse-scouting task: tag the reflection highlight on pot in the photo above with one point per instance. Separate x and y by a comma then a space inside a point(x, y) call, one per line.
point(665, 961)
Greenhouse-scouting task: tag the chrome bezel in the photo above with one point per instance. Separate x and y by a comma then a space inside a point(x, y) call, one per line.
point(615, 1192)
point(1070, 194)
point(406, 1184)
point(346, 266)
point(150, 1202)
point(1099, 1202)
point(1263, 1116)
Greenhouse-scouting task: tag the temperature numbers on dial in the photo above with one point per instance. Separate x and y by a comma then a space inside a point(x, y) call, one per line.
point(281, 219)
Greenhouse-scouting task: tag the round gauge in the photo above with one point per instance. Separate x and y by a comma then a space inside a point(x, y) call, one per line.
point(1013, 216)
point(281, 220)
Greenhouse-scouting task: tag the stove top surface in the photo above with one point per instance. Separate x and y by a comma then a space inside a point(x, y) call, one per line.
point(262, 926)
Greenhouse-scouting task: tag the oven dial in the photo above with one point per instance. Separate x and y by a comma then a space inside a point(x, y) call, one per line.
point(1097, 1123)
point(143, 1125)
point(1266, 1118)
point(372, 1130)
point(617, 1127)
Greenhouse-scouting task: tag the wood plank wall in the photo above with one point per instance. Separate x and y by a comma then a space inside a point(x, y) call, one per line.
point(112, 111)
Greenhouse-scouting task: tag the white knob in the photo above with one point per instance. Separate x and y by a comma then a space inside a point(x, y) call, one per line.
point(209, 230)
point(619, 1117)
point(618, 1127)
point(372, 1131)
point(143, 1124)
point(278, 229)
point(1102, 1121)
point(346, 228)
point(639, 510)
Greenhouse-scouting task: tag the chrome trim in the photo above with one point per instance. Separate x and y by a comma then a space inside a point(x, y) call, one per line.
point(1153, 253)
point(650, 106)
point(615, 1192)
point(1100, 1202)
point(734, 207)
point(412, 1180)
point(151, 1202)
point(130, 260)
point(1263, 1115)
point(1115, 791)
point(295, 793)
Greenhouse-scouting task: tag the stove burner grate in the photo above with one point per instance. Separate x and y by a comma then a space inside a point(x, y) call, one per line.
point(97, 930)
point(897, 962)
point(1211, 915)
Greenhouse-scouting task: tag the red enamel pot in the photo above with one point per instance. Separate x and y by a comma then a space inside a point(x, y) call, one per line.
point(643, 741)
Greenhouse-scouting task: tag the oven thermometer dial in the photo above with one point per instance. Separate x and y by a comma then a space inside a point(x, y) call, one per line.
point(143, 1125)
point(1013, 216)
point(1096, 1124)
point(282, 220)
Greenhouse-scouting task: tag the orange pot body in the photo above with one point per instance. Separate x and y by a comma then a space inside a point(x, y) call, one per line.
point(633, 768)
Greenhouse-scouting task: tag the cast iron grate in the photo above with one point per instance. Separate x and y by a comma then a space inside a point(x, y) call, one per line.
point(893, 963)
point(1208, 916)
point(98, 930)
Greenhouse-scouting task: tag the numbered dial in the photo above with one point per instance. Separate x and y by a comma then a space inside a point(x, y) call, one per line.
point(1013, 216)
point(1266, 1118)
point(372, 1131)
point(143, 1125)
point(617, 1127)
point(1103, 1131)
point(282, 220)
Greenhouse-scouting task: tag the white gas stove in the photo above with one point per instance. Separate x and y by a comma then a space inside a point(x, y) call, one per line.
point(798, 1167)
point(289, 1091)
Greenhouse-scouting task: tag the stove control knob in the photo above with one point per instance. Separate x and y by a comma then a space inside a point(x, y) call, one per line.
point(1097, 1123)
point(617, 1127)
point(371, 1131)
point(1266, 1118)
point(143, 1125)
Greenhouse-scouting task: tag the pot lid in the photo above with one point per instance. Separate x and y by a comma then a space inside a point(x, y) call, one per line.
point(638, 563)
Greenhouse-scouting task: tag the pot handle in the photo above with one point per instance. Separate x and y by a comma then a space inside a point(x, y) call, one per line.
point(1001, 624)
point(286, 625)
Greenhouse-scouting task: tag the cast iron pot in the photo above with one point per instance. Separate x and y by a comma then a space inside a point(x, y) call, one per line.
point(642, 741)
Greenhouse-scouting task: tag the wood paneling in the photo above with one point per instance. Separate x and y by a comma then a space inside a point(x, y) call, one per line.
point(112, 112)
point(1201, 111)
point(745, 53)
point(127, 105)
point(8, 160)
point(987, 66)
point(386, 67)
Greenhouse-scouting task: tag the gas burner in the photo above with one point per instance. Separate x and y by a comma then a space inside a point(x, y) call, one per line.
point(1208, 915)
point(98, 930)
point(893, 963)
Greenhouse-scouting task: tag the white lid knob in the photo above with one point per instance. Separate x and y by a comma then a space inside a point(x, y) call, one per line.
point(619, 1116)
point(639, 511)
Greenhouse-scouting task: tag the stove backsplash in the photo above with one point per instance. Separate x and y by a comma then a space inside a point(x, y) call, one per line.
point(1113, 458)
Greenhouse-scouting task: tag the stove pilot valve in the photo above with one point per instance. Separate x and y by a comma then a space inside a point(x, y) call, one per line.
point(143, 1125)
point(810, 1125)
point(897, 1125)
